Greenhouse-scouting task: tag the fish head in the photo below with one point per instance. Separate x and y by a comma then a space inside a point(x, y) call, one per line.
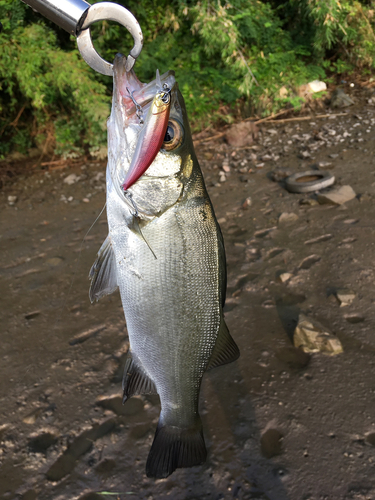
point(143, 114)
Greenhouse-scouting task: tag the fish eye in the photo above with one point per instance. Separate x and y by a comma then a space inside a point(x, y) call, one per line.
point(174, 135)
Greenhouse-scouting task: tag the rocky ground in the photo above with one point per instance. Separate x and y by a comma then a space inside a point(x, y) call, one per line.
point(279, 423)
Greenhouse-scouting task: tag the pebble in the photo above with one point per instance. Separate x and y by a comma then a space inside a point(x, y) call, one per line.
point(247, 203)
point(345, 297)
point(71, 179)
point(12, 200)
point(286, 218)
point(309, 261)
point(311, 336)
point(284, 277)
point(337, 196)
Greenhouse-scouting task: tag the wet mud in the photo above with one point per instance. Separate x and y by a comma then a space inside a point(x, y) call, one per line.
point(279, 424)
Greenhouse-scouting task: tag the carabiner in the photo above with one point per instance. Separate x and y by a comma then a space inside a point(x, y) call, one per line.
point(112, 12)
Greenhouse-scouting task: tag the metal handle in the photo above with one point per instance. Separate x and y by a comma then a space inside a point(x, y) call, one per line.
point(65, 13)
point(76, 17)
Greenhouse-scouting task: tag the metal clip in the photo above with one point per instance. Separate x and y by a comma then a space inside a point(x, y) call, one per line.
point(76, 17)
point(111, 12)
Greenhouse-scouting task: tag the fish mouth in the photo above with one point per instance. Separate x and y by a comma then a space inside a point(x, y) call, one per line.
point(132, 95)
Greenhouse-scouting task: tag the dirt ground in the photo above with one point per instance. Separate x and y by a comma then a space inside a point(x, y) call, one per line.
point(279, 424)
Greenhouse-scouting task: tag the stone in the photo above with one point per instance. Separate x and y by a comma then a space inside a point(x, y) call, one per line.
point(316, 86)
point(241, 134)
point(309, 261)
point(340, 100)
point(311, 336)
point(271, 443)
point(247, 203)
point(12, 200)
point(284, 277)
point(286, 218)
point(345, 297)
point(71, 179)
point(337, 196)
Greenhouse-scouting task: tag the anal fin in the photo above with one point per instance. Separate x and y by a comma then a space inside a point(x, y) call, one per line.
point(225, 350)
point(136, 380)
point(103, 273)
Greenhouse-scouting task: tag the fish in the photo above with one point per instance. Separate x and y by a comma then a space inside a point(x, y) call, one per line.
point(165, 253)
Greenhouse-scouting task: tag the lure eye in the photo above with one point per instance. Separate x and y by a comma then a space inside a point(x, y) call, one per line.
point(174, 135)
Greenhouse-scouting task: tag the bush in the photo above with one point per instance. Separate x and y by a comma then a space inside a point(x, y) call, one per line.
point(231, 58)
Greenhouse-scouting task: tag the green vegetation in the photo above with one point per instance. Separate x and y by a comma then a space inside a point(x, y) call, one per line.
point(230, 58)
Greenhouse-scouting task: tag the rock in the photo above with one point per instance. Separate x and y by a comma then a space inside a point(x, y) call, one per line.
point(345, 297)
point(354, 318)
point(316, 86)
point(247, 203)
point(322, 165)
point(284, 277)
point(286, 218)
point(32, 417)
point(337, 196)
point(241, 134)
point(71, 179)
point(271, 443)
point(12, 200)
point(319, 239)
point(309, 261)
point(340, 100)
point(311, 336)
point(32, 315)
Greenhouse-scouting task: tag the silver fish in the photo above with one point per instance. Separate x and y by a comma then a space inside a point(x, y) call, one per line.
point(165, 253)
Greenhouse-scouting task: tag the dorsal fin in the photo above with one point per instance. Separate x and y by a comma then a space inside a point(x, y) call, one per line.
point(136, 380)
point(225, 350)
point(103, 273)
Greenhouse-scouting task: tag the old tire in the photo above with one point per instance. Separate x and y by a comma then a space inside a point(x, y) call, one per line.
point(295, 183)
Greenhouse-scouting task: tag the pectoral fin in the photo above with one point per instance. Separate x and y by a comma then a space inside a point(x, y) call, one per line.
point(136, 380)
point(225, 350)
point(103, 274)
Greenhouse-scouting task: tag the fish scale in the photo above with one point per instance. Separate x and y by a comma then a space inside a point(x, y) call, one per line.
point(165, 253)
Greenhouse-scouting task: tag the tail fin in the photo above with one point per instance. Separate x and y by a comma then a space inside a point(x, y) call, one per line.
point(173, 448)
